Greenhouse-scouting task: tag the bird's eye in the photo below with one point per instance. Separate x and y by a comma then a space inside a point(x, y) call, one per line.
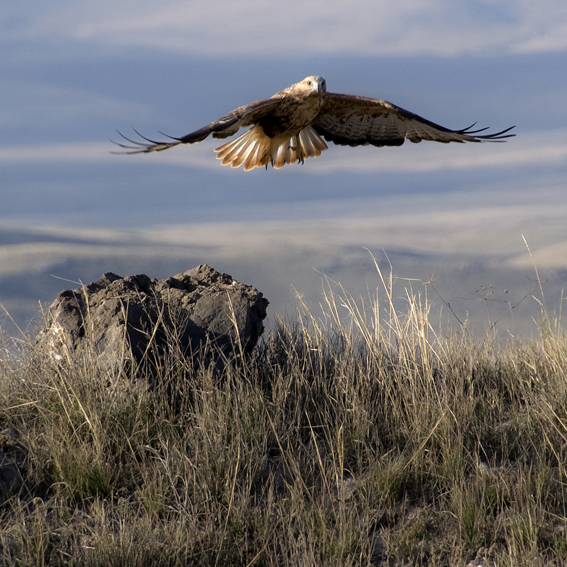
point(308, 82)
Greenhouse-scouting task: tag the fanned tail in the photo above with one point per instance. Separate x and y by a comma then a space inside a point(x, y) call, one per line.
point(255, 149)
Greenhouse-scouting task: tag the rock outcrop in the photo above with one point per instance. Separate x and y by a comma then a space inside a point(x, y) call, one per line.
point(199, 313)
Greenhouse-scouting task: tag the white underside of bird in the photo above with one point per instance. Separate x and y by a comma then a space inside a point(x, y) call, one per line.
point(256, 149)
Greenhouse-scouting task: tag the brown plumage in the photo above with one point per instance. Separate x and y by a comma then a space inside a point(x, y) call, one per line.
point(290, 126)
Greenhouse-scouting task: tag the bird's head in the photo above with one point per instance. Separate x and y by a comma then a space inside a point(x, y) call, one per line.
point(314, 83)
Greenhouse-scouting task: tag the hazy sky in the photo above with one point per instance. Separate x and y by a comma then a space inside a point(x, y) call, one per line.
point(73, 72)
point(298, 28)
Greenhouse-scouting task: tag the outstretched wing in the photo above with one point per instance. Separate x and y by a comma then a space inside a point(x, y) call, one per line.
point(349, 120)
point(222, 128)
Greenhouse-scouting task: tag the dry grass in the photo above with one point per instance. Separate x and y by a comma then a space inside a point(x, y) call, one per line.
point(365, 439)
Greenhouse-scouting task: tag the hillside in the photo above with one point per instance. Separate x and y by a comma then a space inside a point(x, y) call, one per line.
point(369, 439)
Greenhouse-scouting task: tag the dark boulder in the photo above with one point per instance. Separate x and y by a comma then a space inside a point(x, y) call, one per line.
point(139, 319)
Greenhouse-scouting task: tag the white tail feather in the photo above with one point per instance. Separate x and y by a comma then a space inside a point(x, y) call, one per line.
point(252, 158)
point(239, 155)
point(305, 141)
point(255, 149)
point(231, 148)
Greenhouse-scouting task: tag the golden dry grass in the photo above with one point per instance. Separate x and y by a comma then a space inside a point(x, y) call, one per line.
point(364, 438)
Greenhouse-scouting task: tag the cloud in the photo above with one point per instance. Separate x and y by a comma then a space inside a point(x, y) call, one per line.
point(35, 104)
point(100, 153)
point(546, 148)
point(300, 27)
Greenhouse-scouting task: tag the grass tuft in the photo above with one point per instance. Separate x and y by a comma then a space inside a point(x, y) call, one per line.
point(368, 437)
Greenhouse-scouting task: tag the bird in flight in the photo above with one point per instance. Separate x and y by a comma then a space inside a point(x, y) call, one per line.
point(290, 126)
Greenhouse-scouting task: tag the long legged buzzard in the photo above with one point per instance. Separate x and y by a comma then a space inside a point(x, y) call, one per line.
point(290, 126)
